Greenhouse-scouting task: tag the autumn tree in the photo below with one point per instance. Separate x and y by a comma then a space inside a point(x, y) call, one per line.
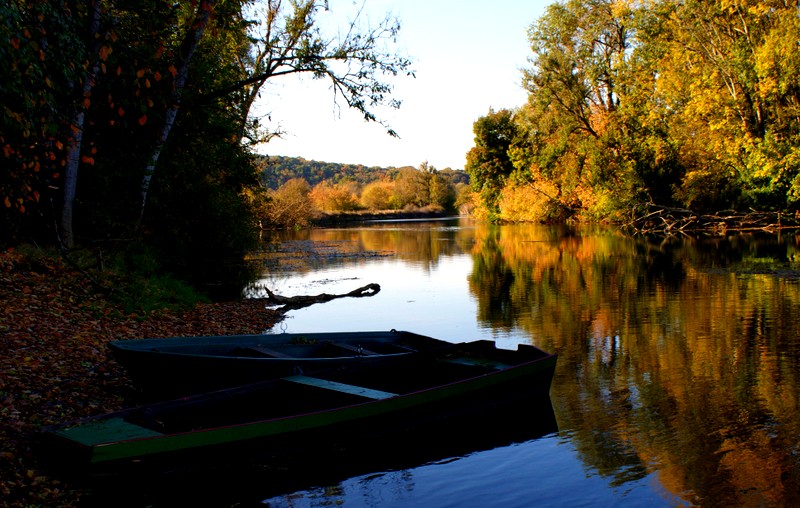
point(377, 195)
point(682, 104)
point(732, 69)
point(330, 197)
point(290, 205)
point(406, 188)
point(40, 76)
point(435, 189)
point(579, 142)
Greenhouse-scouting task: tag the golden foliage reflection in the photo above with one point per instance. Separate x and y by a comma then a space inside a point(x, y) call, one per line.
point(679, 356)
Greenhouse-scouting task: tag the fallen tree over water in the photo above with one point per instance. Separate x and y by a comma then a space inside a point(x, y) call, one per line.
point(655, 219)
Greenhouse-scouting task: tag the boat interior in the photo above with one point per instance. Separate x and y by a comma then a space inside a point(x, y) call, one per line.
point(327, 390)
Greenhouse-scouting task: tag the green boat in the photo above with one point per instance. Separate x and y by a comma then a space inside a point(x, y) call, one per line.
point(176, 366)
point(297, 411)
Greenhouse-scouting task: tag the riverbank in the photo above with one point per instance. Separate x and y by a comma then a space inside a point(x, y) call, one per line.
point(341, 218)
point(54, 363)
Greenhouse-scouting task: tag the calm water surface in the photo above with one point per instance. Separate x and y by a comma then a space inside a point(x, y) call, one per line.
point(679, 360)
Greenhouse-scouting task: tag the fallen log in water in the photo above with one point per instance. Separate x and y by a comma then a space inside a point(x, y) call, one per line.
point(300, 301)
point(655, 219)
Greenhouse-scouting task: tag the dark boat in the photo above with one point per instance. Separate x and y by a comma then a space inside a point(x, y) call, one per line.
point(368, 401)
point(178, 366)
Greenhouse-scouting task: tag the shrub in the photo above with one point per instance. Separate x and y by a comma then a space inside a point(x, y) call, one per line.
point(290, 205)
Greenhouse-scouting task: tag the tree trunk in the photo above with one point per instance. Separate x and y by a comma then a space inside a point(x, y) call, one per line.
point(188, 47)
point(76, 136)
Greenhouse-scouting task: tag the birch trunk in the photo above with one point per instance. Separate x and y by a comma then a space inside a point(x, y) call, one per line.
point(76, 137)
point(188, 47)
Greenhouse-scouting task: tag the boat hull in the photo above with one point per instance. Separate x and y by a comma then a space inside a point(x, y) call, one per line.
point(301, 412)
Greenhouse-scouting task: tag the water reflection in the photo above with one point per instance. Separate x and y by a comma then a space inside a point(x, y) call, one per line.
point(677, 357)
point(422, 244)
point(680, 356)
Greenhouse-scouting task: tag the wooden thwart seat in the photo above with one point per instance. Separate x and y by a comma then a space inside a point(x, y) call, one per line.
point(340, 387)
point(267, 351)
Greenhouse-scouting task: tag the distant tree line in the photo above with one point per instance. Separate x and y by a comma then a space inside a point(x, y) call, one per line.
point(295, 190)
point(277, 170)
point(692, 104)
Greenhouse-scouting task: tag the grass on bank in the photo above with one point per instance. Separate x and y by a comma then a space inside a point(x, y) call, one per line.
point(131, 279)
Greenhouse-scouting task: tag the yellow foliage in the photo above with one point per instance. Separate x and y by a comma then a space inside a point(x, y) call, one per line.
point(288, 206)
point(334, 198)
point(529, 202)
point(377, 195)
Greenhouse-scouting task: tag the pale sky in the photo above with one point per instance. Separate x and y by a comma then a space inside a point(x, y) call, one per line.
point(468, 56)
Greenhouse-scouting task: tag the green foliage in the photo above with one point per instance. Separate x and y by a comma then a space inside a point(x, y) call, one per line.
point(277, 170)
point(210, 227)
point(740, 90)
point(409, 191)
point(488, 163)
point(439, 190)
point(130, 273)
point(154, 293)
point(141, 284)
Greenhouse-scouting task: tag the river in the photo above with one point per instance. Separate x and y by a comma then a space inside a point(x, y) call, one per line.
point(678, 379)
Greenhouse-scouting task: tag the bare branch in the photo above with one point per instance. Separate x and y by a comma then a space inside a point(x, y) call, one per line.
point(355, 63)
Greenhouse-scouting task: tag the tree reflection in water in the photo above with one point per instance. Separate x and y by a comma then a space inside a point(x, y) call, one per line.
point(681, 355)
point(678, 358)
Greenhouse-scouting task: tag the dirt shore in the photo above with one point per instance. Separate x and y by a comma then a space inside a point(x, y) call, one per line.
point(54, 363)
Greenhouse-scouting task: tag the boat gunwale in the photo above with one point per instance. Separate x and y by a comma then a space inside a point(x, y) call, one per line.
point(138, 346)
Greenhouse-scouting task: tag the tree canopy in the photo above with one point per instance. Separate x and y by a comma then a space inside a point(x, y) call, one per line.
point(692, 104)
point(488, 162)
point(133, 120)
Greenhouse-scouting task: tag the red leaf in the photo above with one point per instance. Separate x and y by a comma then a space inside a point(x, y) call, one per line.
point(104, 52)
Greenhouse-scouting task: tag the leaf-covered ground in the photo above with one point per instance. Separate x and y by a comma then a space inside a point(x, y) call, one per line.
point(54, 363)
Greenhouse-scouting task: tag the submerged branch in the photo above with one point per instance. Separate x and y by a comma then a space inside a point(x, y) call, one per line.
point(298, 302)
point(654, 219)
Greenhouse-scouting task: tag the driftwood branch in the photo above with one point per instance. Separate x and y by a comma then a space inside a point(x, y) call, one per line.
point(654, 219)
point(298, 302)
